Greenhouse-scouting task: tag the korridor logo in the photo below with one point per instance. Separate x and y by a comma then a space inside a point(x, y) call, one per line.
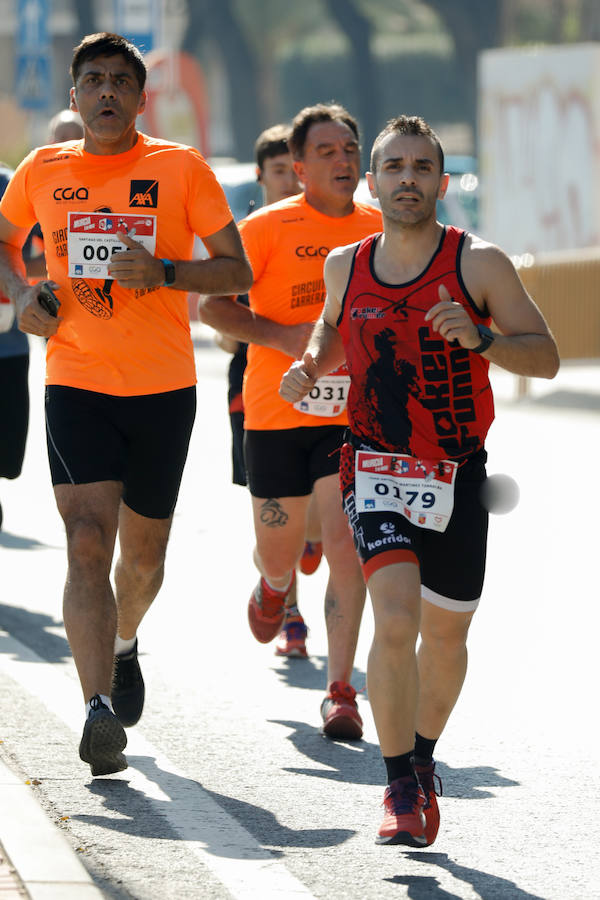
point(143, 193)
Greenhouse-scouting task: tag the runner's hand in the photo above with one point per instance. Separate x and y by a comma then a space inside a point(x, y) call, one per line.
point(135, 267)
point(294, 338)
point(32, 318)
point(452, 321)
point(299, 379)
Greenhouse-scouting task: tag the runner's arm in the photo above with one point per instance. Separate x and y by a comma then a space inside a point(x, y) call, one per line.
point(31, 317)
point(523, 343)
point(229, 317)
point(325, 350)
point(227, 271)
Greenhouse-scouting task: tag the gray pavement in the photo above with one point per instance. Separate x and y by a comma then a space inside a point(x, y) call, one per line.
point(231, 791)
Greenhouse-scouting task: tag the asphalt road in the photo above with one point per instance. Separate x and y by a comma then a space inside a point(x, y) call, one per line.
point(231, 792)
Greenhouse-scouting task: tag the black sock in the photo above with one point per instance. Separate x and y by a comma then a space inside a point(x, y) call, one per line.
point(424, 748)
point(399, 766)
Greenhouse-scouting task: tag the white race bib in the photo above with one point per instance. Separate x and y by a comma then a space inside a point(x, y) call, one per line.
point(92, 240)
point(421, 490)
point(329, 395)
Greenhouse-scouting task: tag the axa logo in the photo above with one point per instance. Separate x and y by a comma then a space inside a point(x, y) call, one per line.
point(308, 250)
point(70, 193)
point(143, 192)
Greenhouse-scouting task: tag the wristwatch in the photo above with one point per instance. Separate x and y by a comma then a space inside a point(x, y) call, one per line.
point(487, 339)
point(169, 272)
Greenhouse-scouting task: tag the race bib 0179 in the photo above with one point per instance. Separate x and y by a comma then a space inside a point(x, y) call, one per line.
point(420, 490)
point(92, 240)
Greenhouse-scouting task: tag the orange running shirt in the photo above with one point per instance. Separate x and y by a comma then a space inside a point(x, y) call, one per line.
point(117, 340)
point(286, 244)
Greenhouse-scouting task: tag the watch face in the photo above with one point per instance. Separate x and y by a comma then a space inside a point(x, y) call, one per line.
point(169, 273)
point(487, 338)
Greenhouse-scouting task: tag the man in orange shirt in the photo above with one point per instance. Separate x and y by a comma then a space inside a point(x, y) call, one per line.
point(291, 452)
point(275, 173)
point(119, 212)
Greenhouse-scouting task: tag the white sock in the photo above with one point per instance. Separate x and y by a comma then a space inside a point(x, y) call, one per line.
point(280, 590)
point(124, 646)
point(106, 700)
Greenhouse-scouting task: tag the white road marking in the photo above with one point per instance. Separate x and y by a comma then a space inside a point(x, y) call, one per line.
point(242, 866)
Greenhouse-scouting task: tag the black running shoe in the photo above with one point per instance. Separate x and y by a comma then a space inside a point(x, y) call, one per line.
point(128, 689)
point(103, 740)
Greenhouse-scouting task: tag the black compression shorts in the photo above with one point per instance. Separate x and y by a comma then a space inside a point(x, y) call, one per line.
point(287, 462)
point(452, 562)
point(141, 441)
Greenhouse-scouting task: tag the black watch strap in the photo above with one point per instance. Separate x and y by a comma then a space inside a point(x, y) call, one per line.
point(487, 338)
point(169, 272)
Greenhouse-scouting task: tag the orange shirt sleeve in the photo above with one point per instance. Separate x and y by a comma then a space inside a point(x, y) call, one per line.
point(209, 211)
point(256, 232)
point(15, 205)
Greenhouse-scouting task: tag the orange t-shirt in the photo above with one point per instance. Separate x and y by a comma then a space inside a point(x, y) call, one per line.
point(117, 340)
point(286, 244)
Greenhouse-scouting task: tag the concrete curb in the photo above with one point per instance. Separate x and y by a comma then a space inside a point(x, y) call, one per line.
point(41, 856)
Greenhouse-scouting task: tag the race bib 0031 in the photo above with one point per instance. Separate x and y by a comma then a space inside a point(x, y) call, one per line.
point(329, 395)
point(92, 240)
point(421, 490)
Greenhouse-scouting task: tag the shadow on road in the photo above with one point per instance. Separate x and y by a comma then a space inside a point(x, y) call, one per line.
point(359, 762)
point(311, 673)
point(486, 885)
point(471, 783)
point(17, 542)
point(150, 817)
point(31, 629)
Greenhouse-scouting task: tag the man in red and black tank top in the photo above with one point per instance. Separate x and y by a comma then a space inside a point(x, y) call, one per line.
point(410, 310)
point(425, 397)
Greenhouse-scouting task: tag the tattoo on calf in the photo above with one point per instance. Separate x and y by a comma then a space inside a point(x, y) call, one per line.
point(272, 514)
point(330, 604)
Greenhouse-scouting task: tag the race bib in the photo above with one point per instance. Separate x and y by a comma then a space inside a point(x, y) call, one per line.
point(329, 395)
point(421, 490)
point(92, 240)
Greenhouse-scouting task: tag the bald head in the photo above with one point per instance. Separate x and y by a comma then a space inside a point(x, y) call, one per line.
point(64, 126)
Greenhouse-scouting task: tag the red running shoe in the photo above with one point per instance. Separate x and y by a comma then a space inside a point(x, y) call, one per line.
point(403, 822)
point(292, 637)
point(311, 557)
point(266, 610)
point(341, 719)
point(427, 779)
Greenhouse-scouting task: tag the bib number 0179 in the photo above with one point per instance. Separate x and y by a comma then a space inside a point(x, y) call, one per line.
point(426, 499)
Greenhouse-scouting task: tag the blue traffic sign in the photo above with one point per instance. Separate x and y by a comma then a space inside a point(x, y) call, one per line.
point(32, 27)
point(136, 20)
point(33, 81)
point(33, 68)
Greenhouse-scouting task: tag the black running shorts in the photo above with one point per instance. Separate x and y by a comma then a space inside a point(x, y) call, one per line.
point(287, 462)
point(141, 441)
point(452, 562)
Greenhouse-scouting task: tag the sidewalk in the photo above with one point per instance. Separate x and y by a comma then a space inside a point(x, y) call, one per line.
point(36, 860)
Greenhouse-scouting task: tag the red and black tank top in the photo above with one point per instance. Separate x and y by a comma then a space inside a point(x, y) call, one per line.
point(411, 391)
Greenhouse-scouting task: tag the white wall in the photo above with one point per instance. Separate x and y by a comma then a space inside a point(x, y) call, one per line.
point(539, 147)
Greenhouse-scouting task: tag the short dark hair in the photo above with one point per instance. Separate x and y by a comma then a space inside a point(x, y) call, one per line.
point(413, 125)
point(271, 142)
point(320, 112)
point(104, 43)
